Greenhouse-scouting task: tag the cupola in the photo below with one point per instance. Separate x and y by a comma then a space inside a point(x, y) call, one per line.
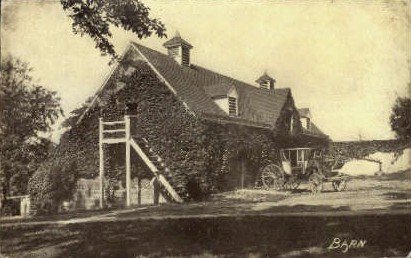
point(179, 49)
point(266, 82)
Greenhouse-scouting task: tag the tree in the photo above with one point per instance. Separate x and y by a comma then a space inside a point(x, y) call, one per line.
point(94, 17)
point(27, 111)
point(401, 118)
point(52, 183)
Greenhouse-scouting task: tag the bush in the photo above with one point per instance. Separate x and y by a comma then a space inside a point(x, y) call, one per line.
point(52, 184)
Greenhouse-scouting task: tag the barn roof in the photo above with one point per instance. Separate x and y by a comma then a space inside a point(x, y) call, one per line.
point(219, 89)
point(197, 86)
point(264, 77)
point(177, 41)
point(315, 130)
point(304, 112)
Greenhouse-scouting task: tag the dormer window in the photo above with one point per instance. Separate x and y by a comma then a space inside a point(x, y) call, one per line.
point(308, 124)
point(232, 106)
point(305, 118)
point(225, 95)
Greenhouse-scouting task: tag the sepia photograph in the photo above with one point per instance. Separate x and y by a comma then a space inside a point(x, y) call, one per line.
point(154, 128)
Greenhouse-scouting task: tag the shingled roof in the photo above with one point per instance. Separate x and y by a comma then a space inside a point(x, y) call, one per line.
point(177, 41)
point(304, 112)
point(264, 77)
point(314, 130)
point(196, 86)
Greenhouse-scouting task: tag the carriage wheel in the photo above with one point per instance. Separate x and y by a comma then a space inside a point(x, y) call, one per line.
point(272, 176)
point(339, 185)
point(316, 183)
point(293, 183)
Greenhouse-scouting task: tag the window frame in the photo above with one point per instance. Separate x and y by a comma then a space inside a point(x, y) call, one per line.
point(230, 106)
point(291, 122)
point(308, 124)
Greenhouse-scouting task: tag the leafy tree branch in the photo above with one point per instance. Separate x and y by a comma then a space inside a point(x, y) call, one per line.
point(94, 17)
point(27, 110)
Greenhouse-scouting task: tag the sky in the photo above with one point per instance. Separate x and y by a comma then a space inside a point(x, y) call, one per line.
point(345, 60)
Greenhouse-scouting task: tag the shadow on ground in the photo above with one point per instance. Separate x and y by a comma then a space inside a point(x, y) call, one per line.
point(295, 236)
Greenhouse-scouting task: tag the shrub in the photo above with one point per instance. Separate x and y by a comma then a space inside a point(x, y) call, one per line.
point(53, 183)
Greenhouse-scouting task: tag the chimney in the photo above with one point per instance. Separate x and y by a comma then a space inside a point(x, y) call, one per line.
point(179, 49)
point(266, 82)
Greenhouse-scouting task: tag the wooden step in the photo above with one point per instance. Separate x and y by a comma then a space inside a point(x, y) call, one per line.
point(158, 164)
point(153, 166)
point(156, 159)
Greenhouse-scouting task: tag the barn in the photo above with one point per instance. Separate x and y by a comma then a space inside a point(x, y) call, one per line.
point(161, 128)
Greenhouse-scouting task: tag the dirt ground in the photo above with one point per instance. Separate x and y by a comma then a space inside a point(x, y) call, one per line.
point(362, 194)
point(238, 223)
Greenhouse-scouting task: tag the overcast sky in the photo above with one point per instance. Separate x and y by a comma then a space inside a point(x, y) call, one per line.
point(346, 61)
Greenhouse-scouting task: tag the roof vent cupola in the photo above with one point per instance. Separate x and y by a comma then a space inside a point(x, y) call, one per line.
point(179, 49)
point(266, 82)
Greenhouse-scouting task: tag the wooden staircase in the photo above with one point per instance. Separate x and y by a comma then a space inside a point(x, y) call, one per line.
point(119, 132)
point(156, 164)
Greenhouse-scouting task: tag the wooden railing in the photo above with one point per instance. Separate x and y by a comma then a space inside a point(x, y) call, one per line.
point(113, 132)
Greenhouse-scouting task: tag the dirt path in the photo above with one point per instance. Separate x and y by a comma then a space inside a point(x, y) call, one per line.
point(238, 223)
point(361, 195)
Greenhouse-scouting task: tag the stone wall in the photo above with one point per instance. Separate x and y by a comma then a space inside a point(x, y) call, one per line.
point(87, 195)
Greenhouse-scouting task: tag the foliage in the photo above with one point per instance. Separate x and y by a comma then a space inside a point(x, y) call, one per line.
point(75, 113)
point(193, 148)
point(94, 17)
point(362, 149)
point(27, 111)
point(201, 154)
point(400, 118)
point(51, 184)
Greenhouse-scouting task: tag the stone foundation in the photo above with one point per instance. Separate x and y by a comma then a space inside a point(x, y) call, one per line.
point(87, 195)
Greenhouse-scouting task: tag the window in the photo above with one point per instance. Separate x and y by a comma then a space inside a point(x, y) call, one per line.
point(131, 108)
point(266, 84)
point(308, 124)
point(232, 106)
point(185, 56)
point(287, 155)
point(300, 155)
point(291, 123)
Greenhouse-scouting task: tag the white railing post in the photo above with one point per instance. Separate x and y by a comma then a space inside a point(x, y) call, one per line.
point(101, 166)
point(128, 160)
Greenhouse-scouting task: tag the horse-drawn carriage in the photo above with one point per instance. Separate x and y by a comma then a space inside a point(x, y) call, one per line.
point(304, 164)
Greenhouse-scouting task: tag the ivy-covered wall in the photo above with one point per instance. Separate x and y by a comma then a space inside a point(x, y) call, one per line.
point(203, 156)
